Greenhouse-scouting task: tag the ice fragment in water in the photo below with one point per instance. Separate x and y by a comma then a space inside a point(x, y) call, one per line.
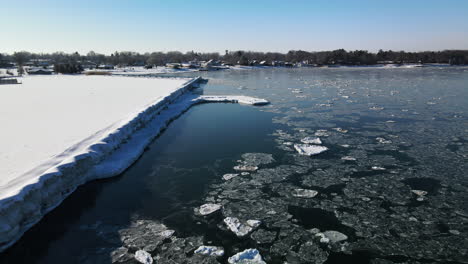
point(209, 208)
point(245, 168)
point(335, 236)
point(241, 229)
point(419, 192)
point(321, 133)
point(229, 176)
point(309, 150)
point(143, 257)
point(248, 256)
point(311, 140)
point(210, 251)
point(304, 193)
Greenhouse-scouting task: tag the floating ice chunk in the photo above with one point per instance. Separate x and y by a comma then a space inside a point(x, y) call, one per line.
point(245, 168)
point(241, 229)
point(309, 150)
point(321, 133)
point(335, 236)
point(348, 158)
point(376, 108)
point(248, 256)
point(209, 208)
point(382, 140)
point(143, 257)
point(210, 251)
point(304, 193)
point(167, 233)
point(229, 176)
point(311, 140)
point(341, 130)
point(419, 192)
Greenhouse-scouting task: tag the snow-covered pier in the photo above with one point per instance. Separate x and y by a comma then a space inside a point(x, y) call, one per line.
point(59, 132)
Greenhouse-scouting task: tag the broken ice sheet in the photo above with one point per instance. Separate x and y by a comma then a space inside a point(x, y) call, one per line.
point(309, 150)
point(210, 251)
point(241, 228)
point(304, 193)
point(248, 256)
point(311, 140)
point(208, 208)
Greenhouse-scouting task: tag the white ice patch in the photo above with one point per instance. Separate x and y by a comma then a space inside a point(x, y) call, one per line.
point(245, 168)
point(241, 229)
point(143, 257)
point(210, 251)
point(309, 150)
point(209, 208)
point(229, 176)
point(248, 256)
point(311, 140)
point(335, 236)
point(304, 193)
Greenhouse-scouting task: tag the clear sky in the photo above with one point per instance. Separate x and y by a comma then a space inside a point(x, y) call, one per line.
point(106, 26)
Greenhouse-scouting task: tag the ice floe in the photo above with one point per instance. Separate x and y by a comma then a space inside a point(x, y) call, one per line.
point(304, 193)
point(210, 251)
point(143, 257)
point(311, 140)
point(248, 256)
point(229, 176)
point(245, 168)
point(239, 228)
point(309, 150)
point(209, 208)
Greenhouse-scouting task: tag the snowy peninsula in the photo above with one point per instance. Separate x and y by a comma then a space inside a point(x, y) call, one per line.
point(59, 132)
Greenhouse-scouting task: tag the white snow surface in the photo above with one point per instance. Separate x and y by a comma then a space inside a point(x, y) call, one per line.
point(81, 128)
point(47, 119)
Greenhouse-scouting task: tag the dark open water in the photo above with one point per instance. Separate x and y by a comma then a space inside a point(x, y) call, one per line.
point(403, 131)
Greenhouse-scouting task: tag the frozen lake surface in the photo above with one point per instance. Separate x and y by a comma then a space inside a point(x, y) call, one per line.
point(391, 188)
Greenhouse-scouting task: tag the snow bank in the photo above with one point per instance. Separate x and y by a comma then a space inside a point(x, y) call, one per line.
point(26, 198)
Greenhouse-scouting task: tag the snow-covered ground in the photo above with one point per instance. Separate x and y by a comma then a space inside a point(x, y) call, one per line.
point(59, 132)
point(46, 115)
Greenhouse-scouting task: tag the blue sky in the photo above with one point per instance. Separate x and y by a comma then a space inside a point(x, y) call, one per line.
point(106, 26)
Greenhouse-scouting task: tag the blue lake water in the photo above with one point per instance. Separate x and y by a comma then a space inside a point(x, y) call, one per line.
point(393, 179)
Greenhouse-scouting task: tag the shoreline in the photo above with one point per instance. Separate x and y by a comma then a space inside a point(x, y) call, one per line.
point(27, 202)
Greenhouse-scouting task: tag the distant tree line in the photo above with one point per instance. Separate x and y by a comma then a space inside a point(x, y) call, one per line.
point(340, 56)
point(68, 68)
